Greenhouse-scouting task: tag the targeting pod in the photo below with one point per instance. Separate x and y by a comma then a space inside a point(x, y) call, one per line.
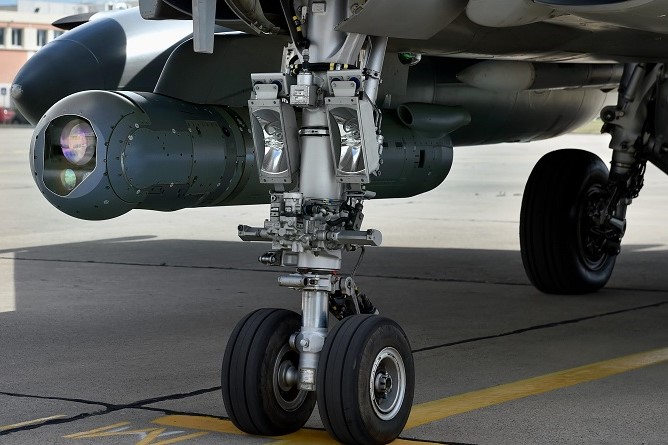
point(98, 154)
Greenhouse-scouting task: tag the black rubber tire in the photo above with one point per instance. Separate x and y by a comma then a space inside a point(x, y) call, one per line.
point(248, 372)
point(343, 380)
point(553, 224)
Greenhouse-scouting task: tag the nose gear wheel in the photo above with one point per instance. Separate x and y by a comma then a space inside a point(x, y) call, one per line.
point(365, 380)
point(387, 385)
point(259, 393)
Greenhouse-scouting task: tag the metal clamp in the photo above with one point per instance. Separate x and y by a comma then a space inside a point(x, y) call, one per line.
point(309, 282)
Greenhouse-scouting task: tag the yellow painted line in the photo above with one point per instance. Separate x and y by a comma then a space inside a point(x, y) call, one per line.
point(199, 423)
point(30, 422)
point(440, 409)
point(305, 437)
point(7, 287)
point(463, 403)
point(150, 436)
point(320, 437)
point(301, 437)
point(97, 430)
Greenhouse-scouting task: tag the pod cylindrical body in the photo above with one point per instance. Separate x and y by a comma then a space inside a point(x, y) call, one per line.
point(99, 154)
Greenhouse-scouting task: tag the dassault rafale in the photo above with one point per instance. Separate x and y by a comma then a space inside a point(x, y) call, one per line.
point(315, 108)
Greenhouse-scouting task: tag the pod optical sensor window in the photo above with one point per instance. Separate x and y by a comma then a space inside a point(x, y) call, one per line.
point(69, 153)
point(77, 142)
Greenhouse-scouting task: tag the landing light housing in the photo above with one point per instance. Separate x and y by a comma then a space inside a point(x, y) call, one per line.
point(274, 128)
point(352, 130)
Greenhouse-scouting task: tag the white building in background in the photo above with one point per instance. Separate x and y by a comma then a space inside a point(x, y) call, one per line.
point(46, 7)
point(65, 9)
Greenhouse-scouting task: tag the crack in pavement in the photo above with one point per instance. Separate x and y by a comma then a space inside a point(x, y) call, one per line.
point(264, 270)
point(108, 407)
point(56, 421)
point(542, 326)
point(140, 404)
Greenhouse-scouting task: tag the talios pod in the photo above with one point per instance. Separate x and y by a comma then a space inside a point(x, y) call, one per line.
point(98, 154)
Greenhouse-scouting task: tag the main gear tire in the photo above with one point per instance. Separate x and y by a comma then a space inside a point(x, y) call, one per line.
point(561, 250)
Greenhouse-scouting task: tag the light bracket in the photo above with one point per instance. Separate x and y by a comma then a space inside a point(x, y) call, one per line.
point(334, 77)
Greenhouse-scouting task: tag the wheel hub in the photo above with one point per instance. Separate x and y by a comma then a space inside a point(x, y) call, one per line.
point(383, 384)
point(288, 396)
point(592, 241)
point(387, 384)
point(287, 375)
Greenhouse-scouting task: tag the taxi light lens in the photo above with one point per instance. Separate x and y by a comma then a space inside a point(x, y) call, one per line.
point(275, 138)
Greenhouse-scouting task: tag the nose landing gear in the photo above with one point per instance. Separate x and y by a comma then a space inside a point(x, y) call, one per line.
point(316, 132)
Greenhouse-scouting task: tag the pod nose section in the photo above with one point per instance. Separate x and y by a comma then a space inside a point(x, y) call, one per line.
point(61, 68)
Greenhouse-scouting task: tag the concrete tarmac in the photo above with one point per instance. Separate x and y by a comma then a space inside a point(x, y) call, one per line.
point(113, 332)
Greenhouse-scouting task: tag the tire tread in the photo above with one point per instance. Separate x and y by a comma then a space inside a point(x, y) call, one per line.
point(547, 224)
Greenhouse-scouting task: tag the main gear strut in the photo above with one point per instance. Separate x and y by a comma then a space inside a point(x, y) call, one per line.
point(574, 211)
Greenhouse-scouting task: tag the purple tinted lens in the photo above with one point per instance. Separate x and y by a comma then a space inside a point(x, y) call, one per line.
point(77, 141)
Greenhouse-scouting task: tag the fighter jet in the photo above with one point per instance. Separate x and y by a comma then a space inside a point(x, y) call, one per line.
point(316, 108)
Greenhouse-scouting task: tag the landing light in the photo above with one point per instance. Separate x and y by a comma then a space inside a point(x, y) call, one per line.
point(351, 160)
point(274, 125)
point(352, 131)
point(275, 160)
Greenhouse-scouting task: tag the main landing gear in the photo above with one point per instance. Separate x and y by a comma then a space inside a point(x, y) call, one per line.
point(563, 250)
point(574, 212)
point(317, 139)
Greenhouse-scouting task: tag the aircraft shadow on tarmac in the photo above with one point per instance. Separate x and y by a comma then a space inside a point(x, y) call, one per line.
point(634, 266)
point(112, 264)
